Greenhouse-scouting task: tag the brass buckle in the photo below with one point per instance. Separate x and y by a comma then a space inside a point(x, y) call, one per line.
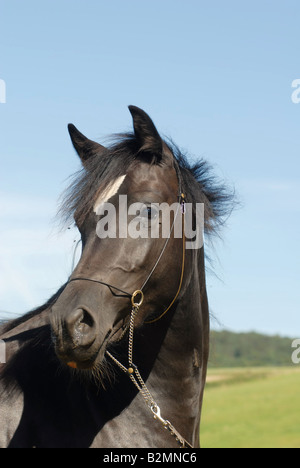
point(134, 295)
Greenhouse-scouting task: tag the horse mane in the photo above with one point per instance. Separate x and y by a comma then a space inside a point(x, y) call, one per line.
point(199, 183)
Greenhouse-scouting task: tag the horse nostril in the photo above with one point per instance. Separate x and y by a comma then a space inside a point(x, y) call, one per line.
point(81, 327)
point(87, 319)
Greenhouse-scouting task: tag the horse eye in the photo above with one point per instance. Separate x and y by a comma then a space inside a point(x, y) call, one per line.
point(149, 212)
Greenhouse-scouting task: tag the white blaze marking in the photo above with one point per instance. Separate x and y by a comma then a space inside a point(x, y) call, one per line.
point(108, 193)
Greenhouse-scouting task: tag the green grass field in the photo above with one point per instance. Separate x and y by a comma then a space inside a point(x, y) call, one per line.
point(252, 408)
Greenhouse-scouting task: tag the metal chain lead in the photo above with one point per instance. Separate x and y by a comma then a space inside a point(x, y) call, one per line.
point(134, 312)
point(138, 381)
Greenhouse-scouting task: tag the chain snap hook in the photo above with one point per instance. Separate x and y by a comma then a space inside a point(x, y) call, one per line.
point(157, 414)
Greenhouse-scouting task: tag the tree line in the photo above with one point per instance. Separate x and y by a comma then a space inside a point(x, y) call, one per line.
point(228, 349)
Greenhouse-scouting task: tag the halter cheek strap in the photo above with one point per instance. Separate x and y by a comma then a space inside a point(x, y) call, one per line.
point(179, 287)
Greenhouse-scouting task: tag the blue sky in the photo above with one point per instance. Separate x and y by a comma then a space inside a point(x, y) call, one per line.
point(215, 76)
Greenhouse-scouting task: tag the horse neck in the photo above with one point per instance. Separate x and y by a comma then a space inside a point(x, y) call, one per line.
point(187, 336)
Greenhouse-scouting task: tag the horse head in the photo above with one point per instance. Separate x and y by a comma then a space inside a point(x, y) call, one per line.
point(117, 208)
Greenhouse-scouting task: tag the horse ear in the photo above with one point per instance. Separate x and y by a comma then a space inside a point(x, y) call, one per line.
point(84, 147)
point(145, 132)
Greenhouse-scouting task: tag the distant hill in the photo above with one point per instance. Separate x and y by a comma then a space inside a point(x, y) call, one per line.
point(230, 349)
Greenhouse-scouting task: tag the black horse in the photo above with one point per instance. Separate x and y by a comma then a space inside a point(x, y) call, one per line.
point(118, 356)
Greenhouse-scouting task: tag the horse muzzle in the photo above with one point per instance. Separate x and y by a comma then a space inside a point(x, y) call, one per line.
point(77, 339)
